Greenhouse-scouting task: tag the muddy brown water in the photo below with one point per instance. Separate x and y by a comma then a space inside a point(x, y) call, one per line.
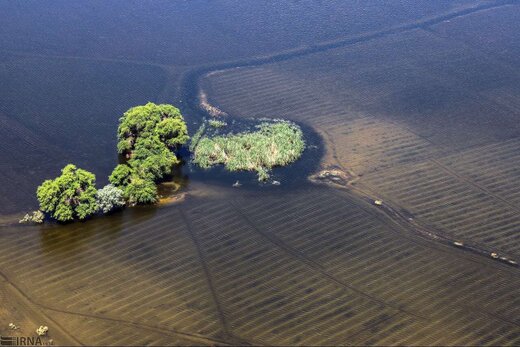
point(409, 107)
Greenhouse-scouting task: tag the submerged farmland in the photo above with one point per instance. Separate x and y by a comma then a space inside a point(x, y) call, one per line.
point(409, 114)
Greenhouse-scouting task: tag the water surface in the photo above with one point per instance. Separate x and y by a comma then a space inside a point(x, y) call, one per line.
point(416, 101)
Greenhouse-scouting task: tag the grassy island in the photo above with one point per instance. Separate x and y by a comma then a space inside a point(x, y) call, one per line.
point(272, 144)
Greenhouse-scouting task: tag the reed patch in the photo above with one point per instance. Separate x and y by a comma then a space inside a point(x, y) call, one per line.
point(272, 144)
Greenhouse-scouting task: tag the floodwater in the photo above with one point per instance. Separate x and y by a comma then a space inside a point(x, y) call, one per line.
point(416, 103)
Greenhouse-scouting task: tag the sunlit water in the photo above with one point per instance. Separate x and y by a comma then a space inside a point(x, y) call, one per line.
point(417, 101)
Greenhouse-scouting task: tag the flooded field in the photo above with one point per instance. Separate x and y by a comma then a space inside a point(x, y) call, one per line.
point(417, 105)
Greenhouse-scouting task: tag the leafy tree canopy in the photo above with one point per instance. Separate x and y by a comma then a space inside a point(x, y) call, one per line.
point(148, 120)
point(151, 156)
point(147, 134)
point(172, 132)
point(69, 196)
point(120, 176)
point(141, 191)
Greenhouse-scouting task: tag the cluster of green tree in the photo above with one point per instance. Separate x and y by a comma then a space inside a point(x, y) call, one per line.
point(69, 196)
point(147, 136)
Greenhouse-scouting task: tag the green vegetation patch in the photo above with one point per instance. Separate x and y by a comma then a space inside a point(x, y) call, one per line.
point(148, 135)
point(162, 122)
point(197, 136)
point(217, 123)
point(273, 144)
point(69, 196)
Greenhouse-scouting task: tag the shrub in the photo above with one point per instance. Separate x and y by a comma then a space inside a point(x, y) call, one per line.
point(70, 196)
point(109, 198)
point(35, 217)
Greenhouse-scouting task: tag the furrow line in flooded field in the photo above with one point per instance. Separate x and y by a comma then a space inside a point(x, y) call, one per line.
point(377, 267)
point(472, 243)
point(62, 242)
point(209, 277)
point(189, 291)
point(476, 185)
point(25, 300)
point(138, 325)
point(271, 270)
point(67, 251)
point(298, 255)
point(436, 203)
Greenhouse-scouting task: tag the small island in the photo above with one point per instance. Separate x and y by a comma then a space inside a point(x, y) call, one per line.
point(148, 137)
point(272, 144)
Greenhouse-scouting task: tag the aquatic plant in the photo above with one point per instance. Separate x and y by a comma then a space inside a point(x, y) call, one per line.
point(109, 198)
point(197, 136)
point(69, 196)
point(272, 144)
point(217, 123)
